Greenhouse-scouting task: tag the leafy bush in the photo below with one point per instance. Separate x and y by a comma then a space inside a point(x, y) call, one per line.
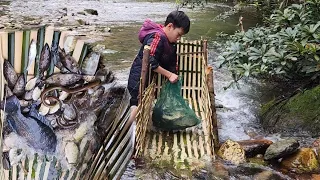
point(289, 48)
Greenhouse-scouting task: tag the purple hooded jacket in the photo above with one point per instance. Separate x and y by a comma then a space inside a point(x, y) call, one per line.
point(162, 53)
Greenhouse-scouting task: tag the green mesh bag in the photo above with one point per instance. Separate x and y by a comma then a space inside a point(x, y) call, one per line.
point(171, 111)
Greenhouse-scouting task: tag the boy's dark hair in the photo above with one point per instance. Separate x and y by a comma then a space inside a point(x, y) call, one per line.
point(179, 20)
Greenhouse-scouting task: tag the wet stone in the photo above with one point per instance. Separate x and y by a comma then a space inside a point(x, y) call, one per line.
point(254, 147)
point(91, 11)
point(304, 161)
point(232, 151)
point(281, 149)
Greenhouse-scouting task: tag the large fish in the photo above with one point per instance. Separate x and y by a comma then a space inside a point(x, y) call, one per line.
point(9, 74)
point(63, 79)
point(69, 62)
point(45, 60)
point(19, 87)
point(37, 134)
point(55, 58)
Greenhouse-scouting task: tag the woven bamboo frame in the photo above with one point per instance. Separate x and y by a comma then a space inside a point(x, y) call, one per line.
point(192, 61)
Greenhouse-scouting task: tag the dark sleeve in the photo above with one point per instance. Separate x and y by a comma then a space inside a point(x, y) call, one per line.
point(173, 60)
point(156, 50)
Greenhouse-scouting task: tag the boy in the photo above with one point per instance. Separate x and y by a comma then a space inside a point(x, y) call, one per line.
point(163, 58)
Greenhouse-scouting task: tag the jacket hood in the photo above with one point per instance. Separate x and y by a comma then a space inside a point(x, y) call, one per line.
point(149, 27)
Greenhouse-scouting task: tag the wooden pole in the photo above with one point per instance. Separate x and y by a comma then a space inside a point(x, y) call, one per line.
point(241, 24)
point(144, 70)
point(205, 51)
point(213, 106)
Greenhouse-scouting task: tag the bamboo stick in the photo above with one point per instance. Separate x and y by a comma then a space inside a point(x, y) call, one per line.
point(18, 51)
point(144, 69)
point(4, 44)
point(78, 49)
point(33, 36)
point(213, 108)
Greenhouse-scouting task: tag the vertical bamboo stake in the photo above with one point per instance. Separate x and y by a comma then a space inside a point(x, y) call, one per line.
point(18, 51)
point(144, 69)
point(213, 107)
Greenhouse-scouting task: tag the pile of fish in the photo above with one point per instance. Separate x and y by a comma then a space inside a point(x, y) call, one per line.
point(56, 114)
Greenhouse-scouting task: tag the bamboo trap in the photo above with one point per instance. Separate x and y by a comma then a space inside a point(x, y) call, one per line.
point(195, 143)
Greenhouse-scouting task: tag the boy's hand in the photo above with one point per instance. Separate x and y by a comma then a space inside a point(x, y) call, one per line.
point(173, 78)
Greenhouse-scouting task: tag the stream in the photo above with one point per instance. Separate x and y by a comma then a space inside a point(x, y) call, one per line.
point(238, 108)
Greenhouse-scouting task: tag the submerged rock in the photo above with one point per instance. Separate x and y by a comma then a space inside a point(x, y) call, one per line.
point(281, 149)
point(91, 11)
point(304, 161)
point(254, 147)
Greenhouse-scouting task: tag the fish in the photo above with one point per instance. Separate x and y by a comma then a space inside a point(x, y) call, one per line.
point(7, 91)
point(35, 114)
point(63, 79)
point(90, 63)
point(69, 62)
point(45, 60)
point(105, 75)
point(6, 161)
point(37, 134)
point(55, 57)
point(32, 54)
point(9, 74)
point(19, 87)
point(69, 44)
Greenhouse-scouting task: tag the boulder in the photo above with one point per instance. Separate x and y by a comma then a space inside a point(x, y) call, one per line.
point(91, 11)
point(232, 151)
point(254, 147)
point(316, 146)
point(304, 161)
point(218, 171)
point(281, 149)
point(299, 112)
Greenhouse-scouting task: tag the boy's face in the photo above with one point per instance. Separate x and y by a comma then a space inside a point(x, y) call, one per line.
point(174, 34)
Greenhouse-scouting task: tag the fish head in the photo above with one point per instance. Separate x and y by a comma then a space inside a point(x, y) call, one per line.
point(11, 104)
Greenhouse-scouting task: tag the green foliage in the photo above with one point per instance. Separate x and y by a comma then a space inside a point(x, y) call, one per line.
point(289, 48)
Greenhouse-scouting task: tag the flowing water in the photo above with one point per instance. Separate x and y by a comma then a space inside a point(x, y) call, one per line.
point(238, 115)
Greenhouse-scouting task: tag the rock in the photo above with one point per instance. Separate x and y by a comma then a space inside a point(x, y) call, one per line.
point(91, 11)
point(81, 13)
point(232, 151)
point(316, 146)
point(304, 161)
point(218, 171)
point(255, 172)
point(281, 149)
point(297, 115)
point(316, 143)
point(315, 176)
point(254, 147)
point(81, 22)
point(258, 160)
point(265, 175)
point(90, 63)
